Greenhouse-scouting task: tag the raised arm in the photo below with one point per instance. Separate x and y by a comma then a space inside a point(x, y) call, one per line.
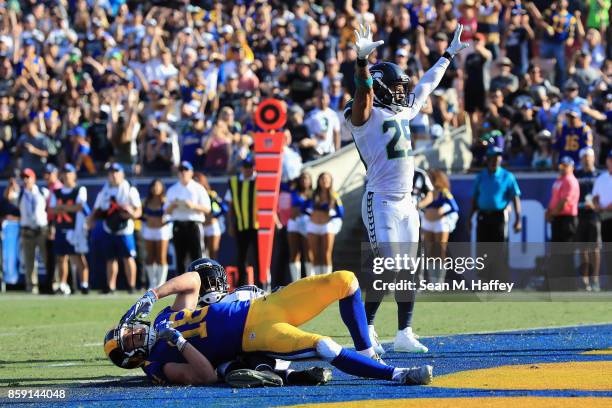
point(364, 95)
point(433, 76)
point(186, 286)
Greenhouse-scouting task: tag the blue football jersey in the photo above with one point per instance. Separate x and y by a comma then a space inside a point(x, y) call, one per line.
point(215, 331)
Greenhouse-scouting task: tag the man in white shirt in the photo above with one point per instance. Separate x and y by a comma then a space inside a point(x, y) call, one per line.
point(118, 204)
point(187, 204)
point(602, 199)
point(33, 227)
point(324, 126)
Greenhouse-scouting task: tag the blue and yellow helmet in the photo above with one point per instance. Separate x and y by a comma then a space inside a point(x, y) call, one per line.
point(119, 343)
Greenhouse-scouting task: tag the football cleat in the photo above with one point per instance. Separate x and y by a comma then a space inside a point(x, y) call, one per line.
point(406, 342)
point(416, 375)
point(246, 378)
point(378, 359)
point(309, 376)
point(378, 348)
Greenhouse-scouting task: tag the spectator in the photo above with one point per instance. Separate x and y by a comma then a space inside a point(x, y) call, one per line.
point(301, 195)
point(302, 83)
point(300, 134)
point(10, 220)
point(159, 154)
point(488, 24)
point(187, 204)
point(69, 206)
point(326, 212)
point(34, 148)
point(602, 201)
point(592, 46)
point(494, 189)
point(571, 137)
point(562, 214)
point(218, 148)
point(505, 80)
point(242, 218)
point(516, 37)
point(324, 127)
point(34, 227)
point(583, 73)
point(589, 222)
point(51, 177)
point(477, 82)
point(214, 225)
point(117, 205)
point(439, 221)
point(542, 157)
point(156, 232)
point(559, 27)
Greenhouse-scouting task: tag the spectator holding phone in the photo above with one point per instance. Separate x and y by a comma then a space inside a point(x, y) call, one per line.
point(118, 204)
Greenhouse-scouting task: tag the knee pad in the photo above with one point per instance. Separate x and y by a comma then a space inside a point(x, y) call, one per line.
point(327, 349)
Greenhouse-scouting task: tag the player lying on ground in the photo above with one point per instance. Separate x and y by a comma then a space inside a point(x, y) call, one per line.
point(197, 339)
point(379, 120)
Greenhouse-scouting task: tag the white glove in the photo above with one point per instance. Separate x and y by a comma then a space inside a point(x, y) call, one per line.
point(363, 41)
point(456, 46)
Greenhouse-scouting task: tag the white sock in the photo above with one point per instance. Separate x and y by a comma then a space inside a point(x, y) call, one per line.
point(407, 330)
point(295, 270)
point(309, 268)
point(369, 352)
point(319, 269)
point(163, 274)
point(150, 271)
point(327, 269)
point(85, 285)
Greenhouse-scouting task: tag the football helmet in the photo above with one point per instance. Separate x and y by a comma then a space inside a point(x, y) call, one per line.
point(213, 280)
point(123, 337)
point(386, 76)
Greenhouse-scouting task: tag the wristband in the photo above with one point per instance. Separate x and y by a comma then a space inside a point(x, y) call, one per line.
point(447, 55)
point(362, 62)
point(364, 83)
point(181, 343)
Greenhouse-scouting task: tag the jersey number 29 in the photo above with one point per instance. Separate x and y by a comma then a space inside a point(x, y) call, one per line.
point(399, 129)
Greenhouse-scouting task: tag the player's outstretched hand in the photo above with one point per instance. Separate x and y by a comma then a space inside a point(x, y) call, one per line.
point(363, 41)
point(141, 308)
point(456, 46)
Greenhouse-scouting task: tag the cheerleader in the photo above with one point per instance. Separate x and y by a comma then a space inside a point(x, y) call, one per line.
point(439, 220)
point(157, 233)
point(301, 197)
point(326, 212)
point(214, 225)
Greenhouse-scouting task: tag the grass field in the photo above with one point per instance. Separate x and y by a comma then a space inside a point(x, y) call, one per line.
point(55, 340)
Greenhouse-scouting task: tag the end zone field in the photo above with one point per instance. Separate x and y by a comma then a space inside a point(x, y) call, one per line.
point(56, 343)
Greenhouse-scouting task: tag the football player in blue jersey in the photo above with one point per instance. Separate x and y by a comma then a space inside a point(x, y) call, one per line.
point(186, 342)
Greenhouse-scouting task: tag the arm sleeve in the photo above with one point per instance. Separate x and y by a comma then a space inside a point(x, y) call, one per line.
point(514, 189)
point(427, 84)
point(596, 187)
point(169, 197)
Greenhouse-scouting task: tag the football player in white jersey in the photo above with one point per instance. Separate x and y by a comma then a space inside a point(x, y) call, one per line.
point(378, 118)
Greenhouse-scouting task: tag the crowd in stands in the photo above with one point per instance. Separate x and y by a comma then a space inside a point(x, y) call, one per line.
point(147, 85)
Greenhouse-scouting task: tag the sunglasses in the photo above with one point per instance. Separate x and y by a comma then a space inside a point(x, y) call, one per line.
point(183, 169)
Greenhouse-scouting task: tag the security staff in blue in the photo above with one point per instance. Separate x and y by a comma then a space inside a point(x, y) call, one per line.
point(494, 188)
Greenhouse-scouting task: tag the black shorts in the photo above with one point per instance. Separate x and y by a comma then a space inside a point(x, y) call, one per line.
point(588, 234)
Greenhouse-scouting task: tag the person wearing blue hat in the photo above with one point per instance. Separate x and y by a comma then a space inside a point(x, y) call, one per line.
point(589, 223)
point(187, 205)
point(571, 137)
point(69, 208)
point(117, 205)
point(494, 189)
point(562, 214)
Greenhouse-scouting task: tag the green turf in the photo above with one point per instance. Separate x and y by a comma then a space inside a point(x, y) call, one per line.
point(51, 340)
